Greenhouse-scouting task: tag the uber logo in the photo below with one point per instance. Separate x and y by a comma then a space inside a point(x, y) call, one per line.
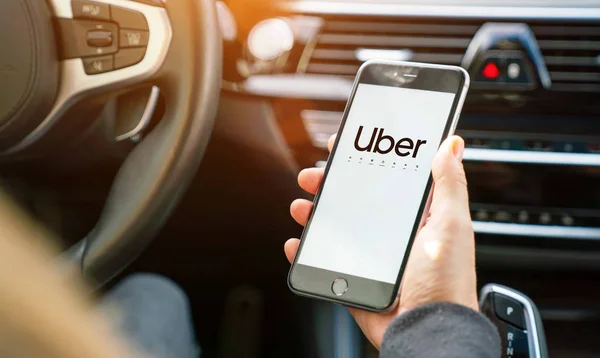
point(383, 144)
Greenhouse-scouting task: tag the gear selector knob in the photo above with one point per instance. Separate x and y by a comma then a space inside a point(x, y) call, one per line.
point(517, 319)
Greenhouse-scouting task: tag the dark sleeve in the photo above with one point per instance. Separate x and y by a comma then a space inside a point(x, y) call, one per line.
point(443, 330)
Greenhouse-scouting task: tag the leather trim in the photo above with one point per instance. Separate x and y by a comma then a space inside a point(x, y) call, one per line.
point(157, 173)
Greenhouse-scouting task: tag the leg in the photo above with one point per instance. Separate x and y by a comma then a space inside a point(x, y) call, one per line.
point(155, 314)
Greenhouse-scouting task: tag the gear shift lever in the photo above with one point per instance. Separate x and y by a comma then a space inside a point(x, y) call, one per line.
point(517, 319)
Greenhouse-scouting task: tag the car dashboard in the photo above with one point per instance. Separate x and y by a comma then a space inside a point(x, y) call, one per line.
point(533, 149)
point(531, 121)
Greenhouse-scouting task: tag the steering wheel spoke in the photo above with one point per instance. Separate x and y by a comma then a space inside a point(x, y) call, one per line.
point(105, 45)
point(156, 173)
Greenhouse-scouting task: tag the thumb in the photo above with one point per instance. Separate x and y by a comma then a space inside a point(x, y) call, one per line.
point(450, 193)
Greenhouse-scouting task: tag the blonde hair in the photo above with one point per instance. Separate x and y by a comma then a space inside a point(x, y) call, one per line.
point(43, 310)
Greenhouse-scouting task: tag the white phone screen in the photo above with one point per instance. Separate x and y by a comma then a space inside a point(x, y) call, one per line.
point(376, 183)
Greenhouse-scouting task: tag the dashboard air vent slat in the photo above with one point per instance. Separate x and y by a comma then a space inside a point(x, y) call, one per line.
point(561, 31)
point(575, 76)
point(396, 41)
point(343, 37)
point(571, 51)
point(401, 28)
point(333, 69)
point(570, 61)
point(349, 55)
point(569, 45)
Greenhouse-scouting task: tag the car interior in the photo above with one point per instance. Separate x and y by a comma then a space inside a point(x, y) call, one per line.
point(166, 136)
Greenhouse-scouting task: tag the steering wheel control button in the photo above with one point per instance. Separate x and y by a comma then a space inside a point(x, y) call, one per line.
point(509, 310)
point(339, 286)
point(90, 10)
point(75, 38)
point(97, 65)
point(100, 38)
point(129, 57)
point(133, 38)
point(128, 19)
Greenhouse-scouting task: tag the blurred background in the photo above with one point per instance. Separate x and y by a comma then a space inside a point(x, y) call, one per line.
point(531, 123)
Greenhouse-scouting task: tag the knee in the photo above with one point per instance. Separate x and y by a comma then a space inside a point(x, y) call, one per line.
point(143, 287)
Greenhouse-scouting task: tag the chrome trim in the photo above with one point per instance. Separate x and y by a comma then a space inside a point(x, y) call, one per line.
point(227, 23)
point(532, 329)
point(366, 54)
point(75, 83)
point(146, 117)
point(315, 87)
point(62, 8)
point(459, 11)
point(556, 232)
point(531, 157)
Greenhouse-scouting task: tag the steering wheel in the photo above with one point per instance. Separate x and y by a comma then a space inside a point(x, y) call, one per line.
point(104, 47)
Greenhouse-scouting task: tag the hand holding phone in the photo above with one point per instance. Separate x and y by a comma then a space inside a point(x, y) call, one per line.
point(377, 183)
point(441, 266)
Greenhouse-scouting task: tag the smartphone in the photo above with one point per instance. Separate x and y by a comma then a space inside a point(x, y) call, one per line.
point(377, 183)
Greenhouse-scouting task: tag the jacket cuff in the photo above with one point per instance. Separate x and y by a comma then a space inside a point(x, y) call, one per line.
point(441, 330)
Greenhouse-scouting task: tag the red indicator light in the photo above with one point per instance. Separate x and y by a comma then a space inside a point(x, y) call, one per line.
point(491, 71)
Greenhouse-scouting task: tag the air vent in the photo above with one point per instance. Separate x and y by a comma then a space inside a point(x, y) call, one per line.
point(343, 40)
point(572, 54)
point(571, 50)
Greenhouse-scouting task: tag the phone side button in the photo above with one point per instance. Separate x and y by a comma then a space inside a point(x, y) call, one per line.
point(339, 286)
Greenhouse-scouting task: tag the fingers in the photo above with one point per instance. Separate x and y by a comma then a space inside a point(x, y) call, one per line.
point(450, 193)
point(290, 248)
point(331, 142)
point(300, 210)
point(310, 179)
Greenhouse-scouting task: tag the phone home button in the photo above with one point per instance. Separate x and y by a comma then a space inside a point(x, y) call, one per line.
point(339, 286)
